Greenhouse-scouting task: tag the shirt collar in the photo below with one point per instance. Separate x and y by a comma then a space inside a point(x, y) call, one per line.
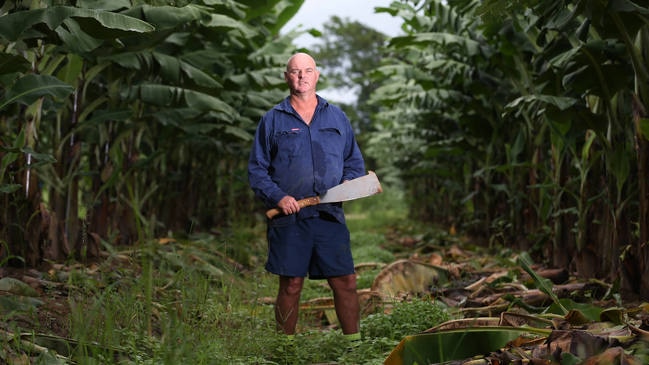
point(285, 105)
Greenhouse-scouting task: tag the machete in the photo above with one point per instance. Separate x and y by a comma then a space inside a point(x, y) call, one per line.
point(360, 187)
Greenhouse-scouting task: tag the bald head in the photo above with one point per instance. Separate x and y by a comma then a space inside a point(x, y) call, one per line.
point(300, 59)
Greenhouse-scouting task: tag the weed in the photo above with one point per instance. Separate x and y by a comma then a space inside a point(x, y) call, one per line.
point(207, 299)
point(406, 318)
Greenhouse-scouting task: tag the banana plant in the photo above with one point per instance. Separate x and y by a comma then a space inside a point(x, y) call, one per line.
point(447, 86)
point(527, 121)
point(157, 95)
point(70, 28)
point(594, 58)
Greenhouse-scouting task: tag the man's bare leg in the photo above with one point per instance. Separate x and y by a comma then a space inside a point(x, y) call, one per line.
point(346, 302)
point(287, 304)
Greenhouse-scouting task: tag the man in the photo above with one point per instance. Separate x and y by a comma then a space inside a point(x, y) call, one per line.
point(304, 146)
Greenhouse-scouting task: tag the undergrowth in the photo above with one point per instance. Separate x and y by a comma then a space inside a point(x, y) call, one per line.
point(208, 300)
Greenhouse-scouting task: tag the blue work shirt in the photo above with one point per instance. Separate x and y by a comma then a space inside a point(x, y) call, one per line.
point(290, 157)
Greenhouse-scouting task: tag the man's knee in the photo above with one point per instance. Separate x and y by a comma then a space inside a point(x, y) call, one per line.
point(291, 285)
point(343, 283)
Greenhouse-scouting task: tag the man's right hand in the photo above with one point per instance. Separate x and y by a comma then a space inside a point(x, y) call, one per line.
point(288, 205)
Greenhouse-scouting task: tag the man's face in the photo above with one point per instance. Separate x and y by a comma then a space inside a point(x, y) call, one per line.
point(301, 75)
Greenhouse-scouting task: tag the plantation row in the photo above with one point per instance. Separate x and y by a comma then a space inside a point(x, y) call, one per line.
point(525, 126)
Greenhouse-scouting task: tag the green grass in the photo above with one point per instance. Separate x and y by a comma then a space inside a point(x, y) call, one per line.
point(405, 319)
point(198, 307)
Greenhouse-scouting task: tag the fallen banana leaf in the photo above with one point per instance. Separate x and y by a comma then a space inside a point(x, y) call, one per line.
point(16, 303)
point(614, 315)
point(408, 277)
point(60, 348)
point(69, 348)
point(15, 286)
point(456, 344)
point(506, 319)
point(46, 355)
point(576, 313)
point(614, 355)
point(520, 319)
point(463, 323)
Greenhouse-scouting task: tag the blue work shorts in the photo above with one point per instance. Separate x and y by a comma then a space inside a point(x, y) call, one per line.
point(315, 246)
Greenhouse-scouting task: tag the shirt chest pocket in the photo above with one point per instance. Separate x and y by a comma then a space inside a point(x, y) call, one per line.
point(290, 142)
point(332, 140)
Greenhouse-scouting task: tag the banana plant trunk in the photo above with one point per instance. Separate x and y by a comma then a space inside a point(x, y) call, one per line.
point(641, 119)
point(642, 252)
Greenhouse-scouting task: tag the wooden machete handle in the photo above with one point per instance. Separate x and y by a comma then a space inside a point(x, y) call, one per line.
point(314, 200)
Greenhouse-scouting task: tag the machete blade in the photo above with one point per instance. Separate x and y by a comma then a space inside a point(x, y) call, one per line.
point(360, 187)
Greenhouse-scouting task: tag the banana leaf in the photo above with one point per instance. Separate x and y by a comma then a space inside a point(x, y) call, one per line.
point(13, 63)
point(455, 344)
point(14, 25)
point(165, 95)
point(31, 87)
